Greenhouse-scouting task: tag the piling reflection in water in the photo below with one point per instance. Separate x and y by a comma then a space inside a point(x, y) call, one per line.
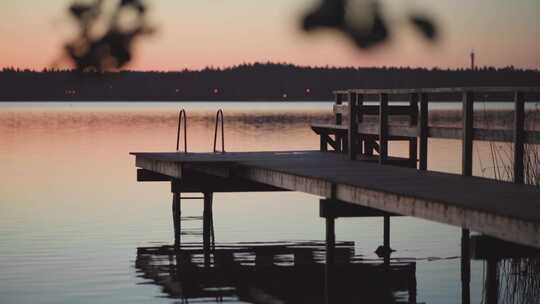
point(512, 271)
point(280, 272)
point(322, 271)
point(271, 272)
point(519, 280)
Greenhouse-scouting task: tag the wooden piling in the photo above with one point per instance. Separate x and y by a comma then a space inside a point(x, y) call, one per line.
point(177, 212)
point(467, 140)
point(519, 122)
point(383, 128)
point(330, 247)
point(207, 222)
point(466, 170)
point(423, 131)
point(386, 232)
point(330, 239)
point(492, 282)
point(465, 267)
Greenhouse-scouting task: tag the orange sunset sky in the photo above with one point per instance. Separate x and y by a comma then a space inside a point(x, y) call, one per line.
point(197, 33)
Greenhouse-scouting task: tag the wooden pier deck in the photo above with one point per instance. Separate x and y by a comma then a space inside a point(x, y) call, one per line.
point(504, 210)
point(354, 165)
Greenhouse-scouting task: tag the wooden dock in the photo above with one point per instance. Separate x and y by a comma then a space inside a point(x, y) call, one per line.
point(501, 209)
point(354, 166)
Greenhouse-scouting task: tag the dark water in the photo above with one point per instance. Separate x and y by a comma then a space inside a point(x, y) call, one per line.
point(72, 215)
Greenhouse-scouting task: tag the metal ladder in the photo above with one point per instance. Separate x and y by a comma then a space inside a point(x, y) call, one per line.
point(182, 121)
point(208, 208)
point(182, 117)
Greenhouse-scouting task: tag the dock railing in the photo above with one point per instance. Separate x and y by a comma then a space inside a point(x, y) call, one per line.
point(358, 137)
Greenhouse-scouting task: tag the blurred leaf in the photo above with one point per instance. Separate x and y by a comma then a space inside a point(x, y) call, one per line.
point(376, 34)
point(425, 26)
point(78, 9)
point(114, 48)
point(137, 4)
point(330, 13)
point(374, 29)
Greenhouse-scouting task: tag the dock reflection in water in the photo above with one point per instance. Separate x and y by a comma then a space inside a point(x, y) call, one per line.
point(280, 272)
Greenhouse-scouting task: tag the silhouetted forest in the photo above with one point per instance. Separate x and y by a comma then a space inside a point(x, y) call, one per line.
point(247, 82)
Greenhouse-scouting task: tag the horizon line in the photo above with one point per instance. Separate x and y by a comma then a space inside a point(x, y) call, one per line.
point(254, 63)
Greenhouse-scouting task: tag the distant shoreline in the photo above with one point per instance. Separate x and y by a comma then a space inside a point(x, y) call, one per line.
point(245, 83)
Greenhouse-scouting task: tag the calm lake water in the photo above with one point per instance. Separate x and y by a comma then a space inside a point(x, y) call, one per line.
point(72, 214)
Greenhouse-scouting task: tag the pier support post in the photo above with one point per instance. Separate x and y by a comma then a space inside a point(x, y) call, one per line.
point(423, 132)
point(386, 232)
point(466, 170)
point(465, 267)
point(330, 251)
point(207, 227)
point(330, 239)
point(353, 125)
point(330, 247)
point(519, 122)
point(386, 242)
point(177, 212)
point(383, 129)
point(467, 140)
point(492, 282)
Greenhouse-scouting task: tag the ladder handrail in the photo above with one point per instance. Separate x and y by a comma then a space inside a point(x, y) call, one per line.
point(182, 117)
point(219, 115)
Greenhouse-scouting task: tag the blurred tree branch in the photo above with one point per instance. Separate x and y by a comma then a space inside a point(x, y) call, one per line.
point(111, 48)
point(362, 21)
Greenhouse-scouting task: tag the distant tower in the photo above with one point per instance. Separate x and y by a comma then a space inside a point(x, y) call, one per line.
point(473, 67)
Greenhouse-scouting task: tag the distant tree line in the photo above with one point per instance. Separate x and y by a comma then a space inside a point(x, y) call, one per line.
point(246, 82)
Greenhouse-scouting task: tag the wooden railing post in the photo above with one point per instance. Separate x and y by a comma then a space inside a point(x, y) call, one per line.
point(353, 125)
point(519, 122)
point(423, 131)
point(339, 101)
point(383, 128)
point(361, 140)
point(413, 142)
point(339, 121)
